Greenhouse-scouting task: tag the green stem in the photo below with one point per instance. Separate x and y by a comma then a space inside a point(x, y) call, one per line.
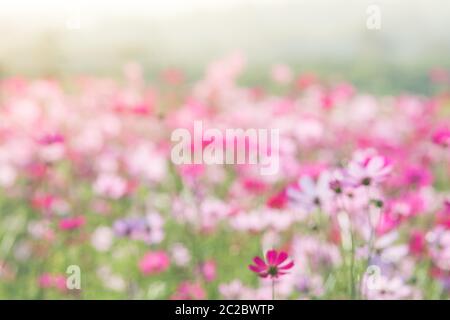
point(273, 289)
point(352, 268)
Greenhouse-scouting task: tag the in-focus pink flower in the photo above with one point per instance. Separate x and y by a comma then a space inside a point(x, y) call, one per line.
point(154, 262)
point(276, 264)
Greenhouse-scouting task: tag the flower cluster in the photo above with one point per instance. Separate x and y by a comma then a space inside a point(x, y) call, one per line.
point(86, 178)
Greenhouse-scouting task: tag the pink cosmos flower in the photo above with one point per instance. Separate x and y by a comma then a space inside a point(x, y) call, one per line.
point(389, 288)
point(368, 167)
point(417, 243)
point(72, 223)
point(311, 195)
point(45, 280)
point(43, 202)
point(418, 176)
point(274, 266)
point(51, 139)
point(254, 185)
point(387, 222)
point(137, 159)
point(110, 185)
point(180, 255)
point(154, 262)
point(443, 217)
point(60, 282)
point(398, 210)
point(209, 270)
point(36, 170)
point(191, 172)
point(442, 137)
point(278, 201)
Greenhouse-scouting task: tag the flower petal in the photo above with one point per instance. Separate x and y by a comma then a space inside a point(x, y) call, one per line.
point(259, 262)
point(287, 266)
point(271, 257)
point(307, 185)
point(282, 256)
point(255, 269)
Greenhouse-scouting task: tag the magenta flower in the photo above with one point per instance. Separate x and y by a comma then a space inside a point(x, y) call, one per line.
point(417, 176)
point(154, 263)
point(45, 280)
point(72, 223)
point(442, 137)
point(55, 281)
point(49, 139)
point(276, 264)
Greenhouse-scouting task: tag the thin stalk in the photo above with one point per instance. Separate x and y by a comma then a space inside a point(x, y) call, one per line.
point(352, 268)
point(273, 289)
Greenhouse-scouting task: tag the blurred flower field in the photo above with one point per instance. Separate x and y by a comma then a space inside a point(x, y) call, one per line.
point(360, 204)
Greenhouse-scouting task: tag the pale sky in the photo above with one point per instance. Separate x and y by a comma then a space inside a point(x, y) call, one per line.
point(105, 7)
point(188, 31)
